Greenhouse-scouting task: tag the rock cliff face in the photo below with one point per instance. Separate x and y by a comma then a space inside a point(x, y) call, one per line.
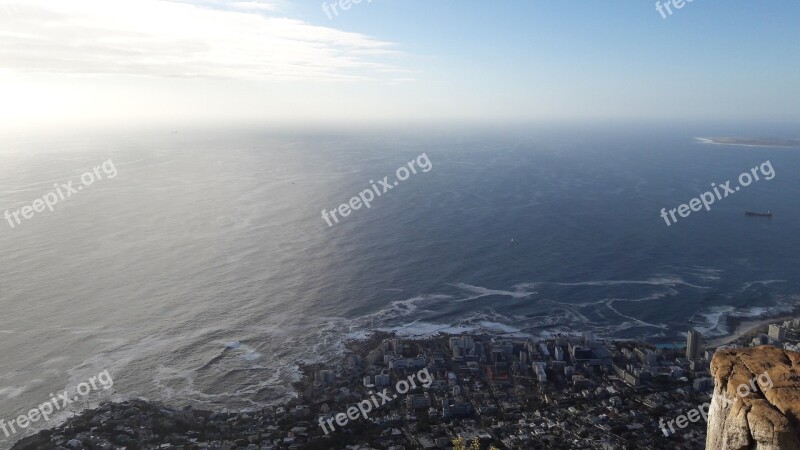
point(756, 403)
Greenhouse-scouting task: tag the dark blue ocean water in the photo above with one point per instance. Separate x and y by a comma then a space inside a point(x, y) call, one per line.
point(204, 272)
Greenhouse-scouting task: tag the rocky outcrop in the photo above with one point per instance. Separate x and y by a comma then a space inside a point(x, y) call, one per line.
point(756, 403)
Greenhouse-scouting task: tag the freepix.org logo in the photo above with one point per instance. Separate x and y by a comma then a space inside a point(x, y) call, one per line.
point(365, 406)
point(383, 186)
point(56, 403)
point(60, 193)
point(718, 193)
point(668, 5)
point(343, 4)
point(761, 383)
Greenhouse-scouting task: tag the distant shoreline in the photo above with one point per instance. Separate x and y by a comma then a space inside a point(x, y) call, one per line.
point(750, 142)
point(748, 328)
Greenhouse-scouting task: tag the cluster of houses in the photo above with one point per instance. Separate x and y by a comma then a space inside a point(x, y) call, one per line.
point(570, 392)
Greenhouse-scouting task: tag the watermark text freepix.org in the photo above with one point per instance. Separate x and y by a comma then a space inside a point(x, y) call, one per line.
point(366, 196)
point(102, 380)
point(763, 381)
point(708, 198)
point(678, 4)
point(365, 406)
point(344, 4)
point(61, 192)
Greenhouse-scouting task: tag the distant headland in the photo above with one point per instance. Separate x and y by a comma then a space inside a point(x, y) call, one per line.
point(750, 142)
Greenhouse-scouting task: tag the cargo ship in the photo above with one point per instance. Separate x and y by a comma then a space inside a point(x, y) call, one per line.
point(758, 214)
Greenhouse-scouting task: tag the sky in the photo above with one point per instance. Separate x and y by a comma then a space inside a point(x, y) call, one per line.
point(109, 62)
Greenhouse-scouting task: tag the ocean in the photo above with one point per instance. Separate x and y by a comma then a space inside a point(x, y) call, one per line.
point(203, 272)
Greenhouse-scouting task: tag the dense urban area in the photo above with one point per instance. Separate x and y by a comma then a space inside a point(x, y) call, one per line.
point(567, 392)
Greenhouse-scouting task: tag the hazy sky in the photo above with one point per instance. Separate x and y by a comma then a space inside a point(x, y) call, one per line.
point(283, 61)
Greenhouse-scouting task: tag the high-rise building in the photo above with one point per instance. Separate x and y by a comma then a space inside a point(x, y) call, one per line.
point(693, 344)
point(703, 384)
point(646, 356)
point(326, 377)
point(777, 332)
point(382, 380)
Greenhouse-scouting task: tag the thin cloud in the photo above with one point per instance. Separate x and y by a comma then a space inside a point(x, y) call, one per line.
point(255, 6)
point(163, 38)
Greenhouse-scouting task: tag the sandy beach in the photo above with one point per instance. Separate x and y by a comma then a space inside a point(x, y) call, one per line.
point(747, 327)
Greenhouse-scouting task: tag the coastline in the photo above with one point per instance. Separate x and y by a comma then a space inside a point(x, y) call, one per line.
point(304, 407)
point(749, 328)
point(740, 142)
point(329, 389)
